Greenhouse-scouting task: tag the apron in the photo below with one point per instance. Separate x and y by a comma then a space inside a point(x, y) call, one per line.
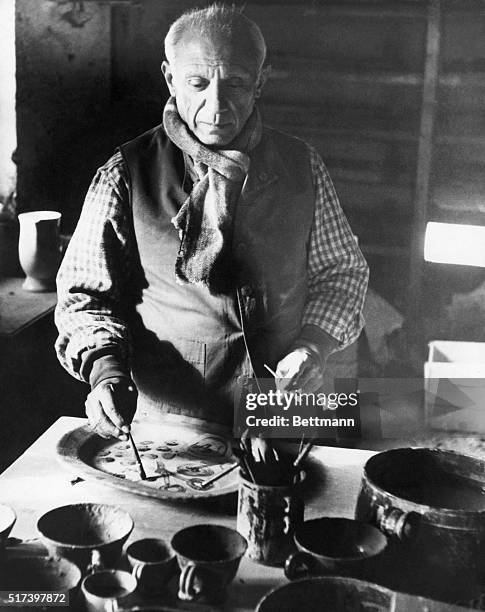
point(189, 354)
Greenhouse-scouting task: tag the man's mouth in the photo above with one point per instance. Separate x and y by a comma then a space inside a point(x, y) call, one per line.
point(215, 126)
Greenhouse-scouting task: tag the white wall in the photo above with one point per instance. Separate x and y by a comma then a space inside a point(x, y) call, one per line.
point(8, 132)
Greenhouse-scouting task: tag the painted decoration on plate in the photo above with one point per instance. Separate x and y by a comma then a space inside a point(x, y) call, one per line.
point(173, 464)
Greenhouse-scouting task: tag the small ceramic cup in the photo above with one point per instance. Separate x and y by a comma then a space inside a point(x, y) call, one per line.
point(152, 563)
point(108, 590)
point(336, 547)
point(209, 557)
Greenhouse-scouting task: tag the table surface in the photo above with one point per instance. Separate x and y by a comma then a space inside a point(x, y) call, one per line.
point(36, 483)
point(19, 308)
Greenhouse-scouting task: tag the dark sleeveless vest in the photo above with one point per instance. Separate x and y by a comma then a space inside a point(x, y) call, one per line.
point(188, 344)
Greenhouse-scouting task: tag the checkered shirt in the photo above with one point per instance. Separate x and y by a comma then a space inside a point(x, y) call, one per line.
point(98, 260)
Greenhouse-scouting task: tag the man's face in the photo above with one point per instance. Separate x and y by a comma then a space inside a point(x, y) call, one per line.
point(215, 85)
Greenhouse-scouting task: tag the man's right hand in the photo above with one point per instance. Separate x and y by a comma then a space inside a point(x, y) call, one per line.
point(110, 407)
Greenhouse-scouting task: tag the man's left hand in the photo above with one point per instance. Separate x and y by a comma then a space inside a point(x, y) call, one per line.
point(301, 370)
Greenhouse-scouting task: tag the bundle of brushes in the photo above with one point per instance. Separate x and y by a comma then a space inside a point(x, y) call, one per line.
point(262, 464)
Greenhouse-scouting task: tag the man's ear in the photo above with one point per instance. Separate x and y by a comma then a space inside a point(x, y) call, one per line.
point(168, 74)
point(263, 77)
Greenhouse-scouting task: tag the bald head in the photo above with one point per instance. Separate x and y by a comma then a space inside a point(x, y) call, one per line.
point(217, 22)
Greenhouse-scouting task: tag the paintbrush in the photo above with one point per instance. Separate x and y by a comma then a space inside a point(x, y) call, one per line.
point(303, 453)
point(299, 458)
point(245, 457)
point(228, 470)
point(271, 371)
point(143, 475)
point(301, 443)
point(243, 464)
point(126, 430)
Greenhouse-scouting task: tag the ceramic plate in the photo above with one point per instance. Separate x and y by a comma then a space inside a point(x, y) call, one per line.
point(177, 457)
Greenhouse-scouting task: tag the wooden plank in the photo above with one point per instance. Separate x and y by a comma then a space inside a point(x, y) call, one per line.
point(452, 139)
point(362, 133)
point(288, 66)
point(19, 308)
point(379, 117)
point(457, 79)
point(339, 6)
point(424, 160)
point(385, 251)
point(345, 5)
point(368, 10)
point(382, 198)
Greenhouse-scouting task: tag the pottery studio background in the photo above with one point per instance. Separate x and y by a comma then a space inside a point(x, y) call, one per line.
point(389, 92)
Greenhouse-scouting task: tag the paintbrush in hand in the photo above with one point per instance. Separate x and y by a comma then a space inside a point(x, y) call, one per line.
point(121, 403)
point(141, 469)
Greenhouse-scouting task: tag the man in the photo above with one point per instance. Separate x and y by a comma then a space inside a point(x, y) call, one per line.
point(207, 247)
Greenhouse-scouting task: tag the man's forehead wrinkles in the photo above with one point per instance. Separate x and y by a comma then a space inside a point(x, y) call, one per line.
point(211, 56)
point(216, 62)
point(210, 63)
point(226, 67)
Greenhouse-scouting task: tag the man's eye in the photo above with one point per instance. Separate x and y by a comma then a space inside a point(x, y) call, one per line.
point(197, 83)
point(235, 82)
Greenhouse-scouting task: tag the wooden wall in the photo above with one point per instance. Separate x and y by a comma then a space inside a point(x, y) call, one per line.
point(349, 77)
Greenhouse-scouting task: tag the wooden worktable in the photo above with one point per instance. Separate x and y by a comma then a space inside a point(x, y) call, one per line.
point(36, 483)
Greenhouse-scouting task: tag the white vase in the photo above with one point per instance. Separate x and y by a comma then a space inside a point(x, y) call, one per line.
point(40, 249)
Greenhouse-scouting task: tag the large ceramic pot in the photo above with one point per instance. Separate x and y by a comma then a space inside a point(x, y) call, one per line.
point(431, 503)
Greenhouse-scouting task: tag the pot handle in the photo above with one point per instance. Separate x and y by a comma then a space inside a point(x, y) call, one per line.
point(299, 565)
point(137, 570)
point(111, 605)
point(187, 588)
point(395, 522)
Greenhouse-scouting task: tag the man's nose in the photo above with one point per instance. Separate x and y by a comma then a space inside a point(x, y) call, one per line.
point(215, 103)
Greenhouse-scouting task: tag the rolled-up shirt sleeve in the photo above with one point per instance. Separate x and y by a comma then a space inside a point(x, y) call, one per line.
point(337, 271)
point(90, 283)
